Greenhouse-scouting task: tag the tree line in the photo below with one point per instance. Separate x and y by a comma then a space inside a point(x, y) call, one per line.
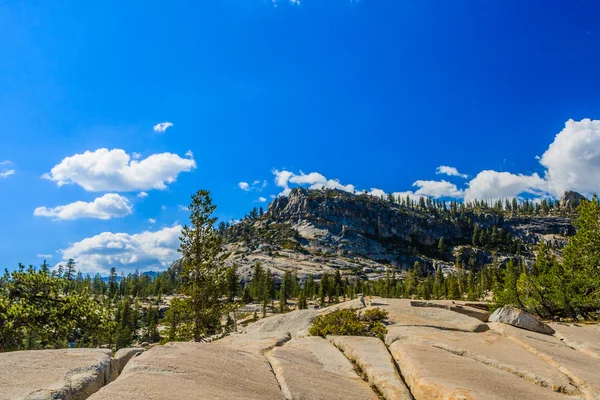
point(41, 307)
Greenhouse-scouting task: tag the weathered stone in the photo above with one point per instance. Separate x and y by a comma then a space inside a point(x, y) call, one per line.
point(71, 374)
point(581, 369)
point(182, 371)
point(585, 338)
point(121, 358)
point(451, 305)
point(488, 348)
point(433, 373)
point(375, 362)
point(295, 322)
point(519, 318)
point(400, 312)
point(256, 342)
point(312, 368)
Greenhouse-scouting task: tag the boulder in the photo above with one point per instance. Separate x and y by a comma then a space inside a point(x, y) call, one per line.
point(521, 319)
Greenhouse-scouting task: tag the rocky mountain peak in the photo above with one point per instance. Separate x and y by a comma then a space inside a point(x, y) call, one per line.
point(571, 199)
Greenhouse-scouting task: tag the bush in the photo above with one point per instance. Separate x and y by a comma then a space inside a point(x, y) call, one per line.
point(351, 322)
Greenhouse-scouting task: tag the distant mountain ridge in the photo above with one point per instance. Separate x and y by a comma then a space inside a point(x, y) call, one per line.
point(317, 231)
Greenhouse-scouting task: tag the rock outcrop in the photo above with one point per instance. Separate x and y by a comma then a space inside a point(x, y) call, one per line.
point(318, 231)
point(521, 319)
point(69, 374)
point(432, 351)
point(571, 200)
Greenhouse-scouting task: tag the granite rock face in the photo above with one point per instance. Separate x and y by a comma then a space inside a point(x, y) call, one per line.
point(330, 230)
point(571, 199)
point(69, 374)
point(429, 353)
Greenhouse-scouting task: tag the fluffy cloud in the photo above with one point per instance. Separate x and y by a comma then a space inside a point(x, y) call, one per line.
point(109, 206)
point(313, 180)
point(151, 220)
point(244, 186)
point(493, 185)
point(261, 200)
point(142, 195)
point(162, 127)
point(572, 161)
point(451, 171)
point(115, 170)
point(437, 189)
point(44, 256)
point(5, 170)
point(144, 251)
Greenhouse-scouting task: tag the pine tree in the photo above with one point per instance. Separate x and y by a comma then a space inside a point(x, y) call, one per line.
point(582, 260)
point(507, 293)
point(233, 282)
point(475, 240)
point(112, 282)
point(202, 266)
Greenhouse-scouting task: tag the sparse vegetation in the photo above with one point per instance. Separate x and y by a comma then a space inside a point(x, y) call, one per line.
point(351, 322)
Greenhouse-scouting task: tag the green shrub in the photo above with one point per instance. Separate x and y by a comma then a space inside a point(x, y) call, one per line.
point(351, 322)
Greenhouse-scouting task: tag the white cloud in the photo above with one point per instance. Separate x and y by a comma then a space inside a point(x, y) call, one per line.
point(162, 127)
point(261, 200)
point(151, 220)
point(377, 192)
point(142, 194)
point(5, 170)
point(109, 206)
point(144, 251)
point(314, 180)
point(437, 189)
point(136, 156)
point(257, 186)
point(114, 170)
point(183, 208)
point(572, 161)
point(493, 185)
point(244, 186)
point(451, 171)
point(163, 207)
point(44, 256)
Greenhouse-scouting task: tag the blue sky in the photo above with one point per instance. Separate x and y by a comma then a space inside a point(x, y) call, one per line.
point(361, 95)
